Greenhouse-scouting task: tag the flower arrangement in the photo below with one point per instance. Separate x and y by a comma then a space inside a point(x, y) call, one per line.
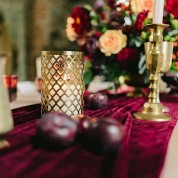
point(112, 36)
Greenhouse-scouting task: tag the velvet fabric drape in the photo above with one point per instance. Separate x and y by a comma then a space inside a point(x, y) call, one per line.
point(141, 155)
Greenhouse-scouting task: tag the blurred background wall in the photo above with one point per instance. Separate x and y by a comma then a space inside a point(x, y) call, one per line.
point(33, 26)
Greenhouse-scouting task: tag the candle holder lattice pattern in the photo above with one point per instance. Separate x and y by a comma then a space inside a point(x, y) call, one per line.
point(62, 82)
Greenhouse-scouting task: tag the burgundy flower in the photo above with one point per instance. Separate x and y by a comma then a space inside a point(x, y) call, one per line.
point(111, 4)
point(128, 58)
point(140, 18)
point(92, 43)
point(81, 18)
point(102, 15)
point(116, 19)
point(97, 34)
point(172, 7)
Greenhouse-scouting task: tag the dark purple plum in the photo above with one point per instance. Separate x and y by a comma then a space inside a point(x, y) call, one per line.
point(103, 136)
point(97, 101)
point(83, 122)
point(57, 129)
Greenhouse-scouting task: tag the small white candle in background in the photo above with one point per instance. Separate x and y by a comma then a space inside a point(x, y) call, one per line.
point(38, 67)
point(158, 11)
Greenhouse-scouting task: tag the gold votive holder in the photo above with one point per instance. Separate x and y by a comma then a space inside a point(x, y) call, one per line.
point(62, 82)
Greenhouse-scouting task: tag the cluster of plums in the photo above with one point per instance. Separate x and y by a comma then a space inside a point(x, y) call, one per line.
point(98, 135)
point(102, 135)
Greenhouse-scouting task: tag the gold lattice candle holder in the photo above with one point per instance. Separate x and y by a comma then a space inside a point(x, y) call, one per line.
point(62, 82)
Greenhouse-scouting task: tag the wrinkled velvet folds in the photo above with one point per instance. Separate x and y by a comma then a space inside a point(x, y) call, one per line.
point(141, 155)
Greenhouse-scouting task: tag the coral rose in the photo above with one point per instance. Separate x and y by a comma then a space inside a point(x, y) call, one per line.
point(112, 41)
point(71, 34)
point(142, 5)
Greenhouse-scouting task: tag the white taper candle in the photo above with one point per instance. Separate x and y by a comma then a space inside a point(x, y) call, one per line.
point(158, 11)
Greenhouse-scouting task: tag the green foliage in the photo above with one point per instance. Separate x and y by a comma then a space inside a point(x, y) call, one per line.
point(88, 74)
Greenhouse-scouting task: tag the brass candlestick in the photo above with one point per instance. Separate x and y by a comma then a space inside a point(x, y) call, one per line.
point(158, 59)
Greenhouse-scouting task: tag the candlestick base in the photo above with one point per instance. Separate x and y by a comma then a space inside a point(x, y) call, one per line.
point(152, 112)
point(152, 117)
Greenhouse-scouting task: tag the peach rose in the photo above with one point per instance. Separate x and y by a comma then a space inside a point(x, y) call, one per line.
point(112, 41)
point(142, 5)
point(71, 34)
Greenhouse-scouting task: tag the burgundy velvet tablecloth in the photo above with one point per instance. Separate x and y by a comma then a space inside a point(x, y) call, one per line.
point(141, 156)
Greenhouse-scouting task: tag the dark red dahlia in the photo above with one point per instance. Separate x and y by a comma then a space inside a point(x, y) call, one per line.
point(97, 34)
point(82, 23)
point(128, 58)
point(172, 7)
point(139, 22)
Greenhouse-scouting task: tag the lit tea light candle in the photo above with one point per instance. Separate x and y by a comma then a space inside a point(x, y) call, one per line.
point(158, 11)
point(64, 97)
